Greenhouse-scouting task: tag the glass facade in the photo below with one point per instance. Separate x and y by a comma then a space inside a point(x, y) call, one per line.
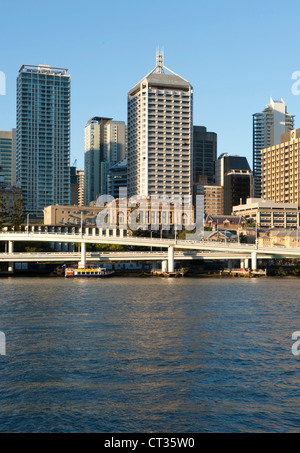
point(43, 137)
point(7, 156)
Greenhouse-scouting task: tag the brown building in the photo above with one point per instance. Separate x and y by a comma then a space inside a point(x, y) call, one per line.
point(224, 222)
point(213, 197)
point(146, 215)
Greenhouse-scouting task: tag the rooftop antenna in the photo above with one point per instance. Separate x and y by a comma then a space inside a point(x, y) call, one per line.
point(159, 61)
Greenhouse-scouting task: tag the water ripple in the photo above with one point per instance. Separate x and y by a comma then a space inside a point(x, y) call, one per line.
point(149, 355)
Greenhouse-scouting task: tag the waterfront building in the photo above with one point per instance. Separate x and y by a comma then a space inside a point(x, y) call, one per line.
point(43, 136)
point(234, 175)
point(146, 215)
point(224, 222)
point(117, 178)
point(71, 215)
point(160, 134)
point(269, 214)
point(8, 156)
point(282, 238)
point(268, 126)
point(104, 146)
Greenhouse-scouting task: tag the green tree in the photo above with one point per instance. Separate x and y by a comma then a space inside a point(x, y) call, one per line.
point(17, 215)
point(3, 213)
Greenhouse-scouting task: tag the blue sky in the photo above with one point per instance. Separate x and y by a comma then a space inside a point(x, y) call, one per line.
point(235, 55)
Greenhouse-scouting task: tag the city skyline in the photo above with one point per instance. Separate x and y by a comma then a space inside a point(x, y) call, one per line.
point(219, 58)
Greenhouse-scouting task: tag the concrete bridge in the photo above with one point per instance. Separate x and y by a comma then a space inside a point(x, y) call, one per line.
point(173, 249)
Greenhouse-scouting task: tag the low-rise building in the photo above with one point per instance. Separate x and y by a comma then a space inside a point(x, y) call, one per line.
point(71, 215)
point(229, 222)
point(283, 238)
point(268, 213)
point(147, 214)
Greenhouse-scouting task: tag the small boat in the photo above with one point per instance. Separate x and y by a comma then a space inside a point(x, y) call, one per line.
point(88, 272)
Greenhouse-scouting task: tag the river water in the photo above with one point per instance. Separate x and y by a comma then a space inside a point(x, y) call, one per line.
point(129, 355)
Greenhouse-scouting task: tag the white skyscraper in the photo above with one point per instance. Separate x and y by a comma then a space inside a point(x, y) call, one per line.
point(267, 129)
point(160, 134)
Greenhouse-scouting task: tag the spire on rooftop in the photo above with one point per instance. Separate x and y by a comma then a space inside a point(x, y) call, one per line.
point(159, 61)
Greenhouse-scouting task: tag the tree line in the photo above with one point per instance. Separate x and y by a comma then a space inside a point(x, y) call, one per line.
point(14, 216)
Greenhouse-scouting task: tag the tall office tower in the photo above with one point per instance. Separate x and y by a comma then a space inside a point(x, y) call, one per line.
point(80, 178)
point(117, 178)
point(8, 156)
point(280, 170)
point(76, 185)
point(234, 174)
point(160, 134)
point(104, 146)
point(204, 154)
point(267, 129)
point(43, 136)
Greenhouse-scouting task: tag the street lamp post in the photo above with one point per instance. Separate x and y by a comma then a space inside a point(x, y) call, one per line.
point(256, 237)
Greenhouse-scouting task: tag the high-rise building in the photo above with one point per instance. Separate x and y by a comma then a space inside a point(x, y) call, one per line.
point(43, 136)
point(280, 170)
point(104, 146)
point(76, 186)
point(268, 126)
point(234, 174)
point(204, 154)
point(160, 134)
point(117, 178)
point(8, 156)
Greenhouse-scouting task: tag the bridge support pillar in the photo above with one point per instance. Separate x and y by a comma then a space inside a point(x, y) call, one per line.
point(254, 261)
point(164, 266)
point(10, 251)
point(83, 255)
point(171, 259)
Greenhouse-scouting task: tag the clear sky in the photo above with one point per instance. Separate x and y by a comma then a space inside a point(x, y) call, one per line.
point(235, 54)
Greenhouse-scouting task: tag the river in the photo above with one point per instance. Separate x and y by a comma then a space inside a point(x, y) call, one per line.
point(149, 355)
